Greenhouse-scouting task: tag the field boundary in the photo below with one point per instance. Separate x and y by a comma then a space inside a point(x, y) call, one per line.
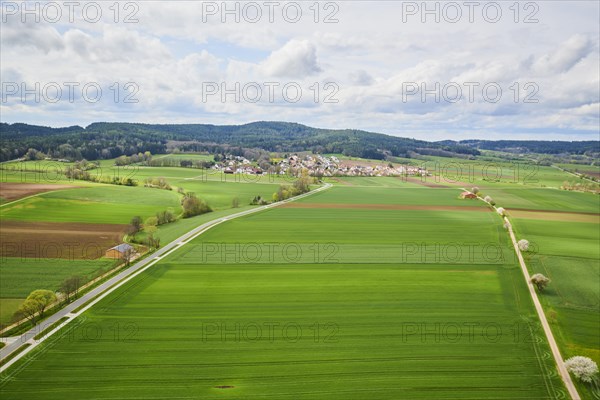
point(73, 310)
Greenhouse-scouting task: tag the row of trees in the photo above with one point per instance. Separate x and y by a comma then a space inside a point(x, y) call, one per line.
point(84, 170)
point(159, 183)
point(134, 159)
point(590, 187)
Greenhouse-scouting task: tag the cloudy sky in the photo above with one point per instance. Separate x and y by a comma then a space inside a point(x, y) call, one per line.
point(491, 70)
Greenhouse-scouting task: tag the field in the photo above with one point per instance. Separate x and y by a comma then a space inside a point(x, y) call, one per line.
point(101, 204)
point(312, 303)
point(564, 231)
point(386, 287)
point(76, 221)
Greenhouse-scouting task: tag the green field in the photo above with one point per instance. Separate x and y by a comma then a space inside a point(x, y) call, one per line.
point(377, 288)
point(22, 276)
point(332, 325)
point(567, 252)
point(104, 204)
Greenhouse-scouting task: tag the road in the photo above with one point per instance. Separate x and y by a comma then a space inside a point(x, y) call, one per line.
point(104, 289)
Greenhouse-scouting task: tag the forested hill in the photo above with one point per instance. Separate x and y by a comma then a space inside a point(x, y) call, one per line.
point(109, 140)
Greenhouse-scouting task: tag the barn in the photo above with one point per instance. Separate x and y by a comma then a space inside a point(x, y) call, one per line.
point(118, 251)
point(468, 195)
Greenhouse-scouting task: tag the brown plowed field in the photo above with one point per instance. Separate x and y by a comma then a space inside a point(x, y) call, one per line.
point(65, 240)
point(11, 191)
point(554, 215)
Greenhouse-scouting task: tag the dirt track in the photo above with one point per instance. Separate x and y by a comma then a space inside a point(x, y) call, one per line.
point(385, 207)
point(10, 191)
point(64, 240)
point(554, 215)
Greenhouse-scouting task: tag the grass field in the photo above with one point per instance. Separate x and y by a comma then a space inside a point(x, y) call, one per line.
point(101, 204)
point(324, 327)
point(22, 276)
point(568, 253)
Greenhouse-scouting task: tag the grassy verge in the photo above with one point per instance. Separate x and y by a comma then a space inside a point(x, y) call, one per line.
point(14, 354)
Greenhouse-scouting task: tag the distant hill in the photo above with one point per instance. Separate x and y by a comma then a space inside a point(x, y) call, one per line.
point(104, 140)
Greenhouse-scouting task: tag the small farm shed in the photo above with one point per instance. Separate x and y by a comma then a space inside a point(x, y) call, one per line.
point(468, 195)
point(118, 251)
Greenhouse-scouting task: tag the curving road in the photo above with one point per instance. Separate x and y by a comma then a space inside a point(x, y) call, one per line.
point(103, 290)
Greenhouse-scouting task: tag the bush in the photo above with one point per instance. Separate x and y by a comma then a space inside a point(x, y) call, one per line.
point(165, 217)
point(192, 206)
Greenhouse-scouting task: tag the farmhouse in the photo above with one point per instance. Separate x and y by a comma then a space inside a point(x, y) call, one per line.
point(468, 195)
point(118, 251)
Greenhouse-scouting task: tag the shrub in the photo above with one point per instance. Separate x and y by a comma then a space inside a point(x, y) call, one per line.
point(192, 206)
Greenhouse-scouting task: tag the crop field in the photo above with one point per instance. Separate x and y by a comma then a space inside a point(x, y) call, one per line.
point(65, 228)
point(313, 303)
point(545, 199)
point(100, 204)
point(21, 276)
point(493, 174)
point(567, 252)
point(565, 237)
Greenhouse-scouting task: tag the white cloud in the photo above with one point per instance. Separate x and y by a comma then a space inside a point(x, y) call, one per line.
point(565, 56)
point(172, 51)
point(297, 59)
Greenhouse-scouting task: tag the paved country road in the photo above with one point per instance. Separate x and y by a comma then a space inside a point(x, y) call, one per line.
point(103, 290)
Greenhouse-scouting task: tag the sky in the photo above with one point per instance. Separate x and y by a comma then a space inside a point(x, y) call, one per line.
point(427, 70)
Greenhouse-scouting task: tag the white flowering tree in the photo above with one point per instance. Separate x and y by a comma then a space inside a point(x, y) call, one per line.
point(523, 245)
point(540, 281)
point(583, 368)
point(489, 200)
point(475, 190)
point(501, 211)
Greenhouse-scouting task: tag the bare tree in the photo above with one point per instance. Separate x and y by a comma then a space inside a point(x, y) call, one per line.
point(127, 256)
point(70, 286)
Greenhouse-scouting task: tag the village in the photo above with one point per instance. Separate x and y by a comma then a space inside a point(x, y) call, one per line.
point(316, 165)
